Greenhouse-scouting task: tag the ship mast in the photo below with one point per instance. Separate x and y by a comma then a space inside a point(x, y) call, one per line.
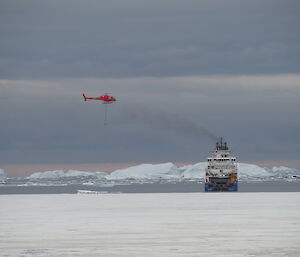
point(221, 145)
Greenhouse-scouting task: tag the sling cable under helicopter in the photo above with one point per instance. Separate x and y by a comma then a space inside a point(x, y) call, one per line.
point(106, 99)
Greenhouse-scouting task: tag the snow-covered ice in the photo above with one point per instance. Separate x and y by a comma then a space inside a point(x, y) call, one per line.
point(194, 171)
point(169, 171)
point(116, 225)
point(55, 174)
point(147, 171)
point(2, 174)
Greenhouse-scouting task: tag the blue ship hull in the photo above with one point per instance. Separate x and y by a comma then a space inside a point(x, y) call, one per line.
point(232, 188)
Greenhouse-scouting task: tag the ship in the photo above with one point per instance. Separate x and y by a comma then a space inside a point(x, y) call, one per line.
point(221, 171)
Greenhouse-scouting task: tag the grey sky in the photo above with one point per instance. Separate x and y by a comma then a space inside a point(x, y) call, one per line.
point(155, 119)
point(180, 70)
point(148, 38)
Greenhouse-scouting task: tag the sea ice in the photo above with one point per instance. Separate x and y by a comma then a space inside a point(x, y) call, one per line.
point(134, 225)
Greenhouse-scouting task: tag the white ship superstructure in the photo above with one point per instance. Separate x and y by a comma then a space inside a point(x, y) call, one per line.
point(221, 172)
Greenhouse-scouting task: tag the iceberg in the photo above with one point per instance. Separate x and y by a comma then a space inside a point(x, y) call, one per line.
point(167, 171)
point(2, 174)
point(283, 170)
point(56, 174)
point(195, 171)
point(147, 171)
point(246, 170)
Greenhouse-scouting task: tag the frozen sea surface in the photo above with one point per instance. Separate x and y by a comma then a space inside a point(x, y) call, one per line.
point(184, 224)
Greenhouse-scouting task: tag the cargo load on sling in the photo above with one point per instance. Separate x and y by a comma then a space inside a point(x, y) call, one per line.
point(221, 172)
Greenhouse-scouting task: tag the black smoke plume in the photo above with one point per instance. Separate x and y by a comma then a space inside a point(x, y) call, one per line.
point(169, 121)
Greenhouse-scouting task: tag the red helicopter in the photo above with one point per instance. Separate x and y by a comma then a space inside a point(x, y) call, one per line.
point(107, 99)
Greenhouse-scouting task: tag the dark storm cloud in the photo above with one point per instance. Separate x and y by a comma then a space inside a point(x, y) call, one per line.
point(132, 38)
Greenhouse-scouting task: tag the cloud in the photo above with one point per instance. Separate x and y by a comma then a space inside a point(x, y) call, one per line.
point(154, 119)
point(132, 38)
point(275, 83)
point(229, 68)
